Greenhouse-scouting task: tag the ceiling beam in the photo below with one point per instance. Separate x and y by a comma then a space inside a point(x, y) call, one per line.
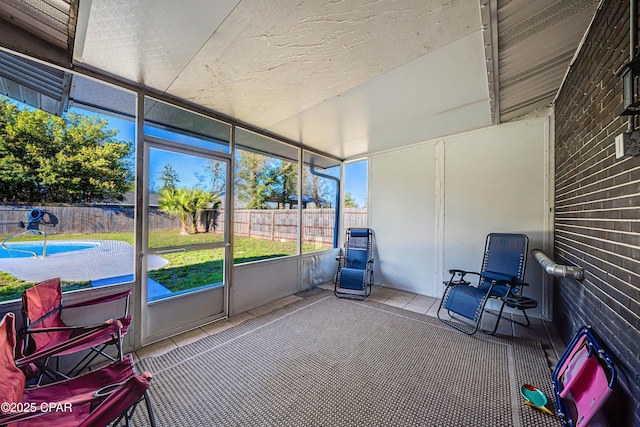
point(489, 16)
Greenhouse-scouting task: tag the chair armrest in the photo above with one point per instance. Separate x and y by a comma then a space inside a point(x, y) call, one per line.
point(512, 287)
point(100, 300)
point(460, 280)
point(124, 395)
point(462, 273)
point(510, 283)
point(495, 276)
point(107, 402)
point(32, 411)
point(96, 326)
point(113, 327)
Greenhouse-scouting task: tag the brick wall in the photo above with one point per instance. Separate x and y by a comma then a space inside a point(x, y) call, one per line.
point(597, 220)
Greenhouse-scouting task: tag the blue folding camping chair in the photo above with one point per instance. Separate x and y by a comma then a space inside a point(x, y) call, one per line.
point(354, 276)
point(501, 277)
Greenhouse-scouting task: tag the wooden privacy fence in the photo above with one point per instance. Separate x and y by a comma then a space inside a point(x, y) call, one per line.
point(271, 224)
point(83, 219)
point(282, 224)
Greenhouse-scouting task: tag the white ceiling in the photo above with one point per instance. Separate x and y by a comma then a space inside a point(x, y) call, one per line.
point(348, 77)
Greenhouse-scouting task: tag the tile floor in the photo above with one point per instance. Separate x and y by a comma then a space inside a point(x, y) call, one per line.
point(543, 331)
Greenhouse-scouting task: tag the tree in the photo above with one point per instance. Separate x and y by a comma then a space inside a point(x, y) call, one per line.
point(194, 201)
point(349, 201)
point(185, 203)
point(317, 188)
point(153, 187)
point(70, 159)
point(170, 202)
point(213, 178)
point(251, 175)
point(169, 177)
point(282, 182)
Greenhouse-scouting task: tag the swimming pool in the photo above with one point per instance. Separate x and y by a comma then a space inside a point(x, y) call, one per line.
point(53, 247)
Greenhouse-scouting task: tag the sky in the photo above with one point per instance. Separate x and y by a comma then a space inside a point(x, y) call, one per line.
point(355, 173)
point(185, 166)
point(355, 181)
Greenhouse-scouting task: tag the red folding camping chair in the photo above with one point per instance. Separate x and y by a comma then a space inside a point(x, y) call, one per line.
point(97, 399)
point(45, 335)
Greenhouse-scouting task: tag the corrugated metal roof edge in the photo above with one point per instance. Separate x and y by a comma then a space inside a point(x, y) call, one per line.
point(578, 50)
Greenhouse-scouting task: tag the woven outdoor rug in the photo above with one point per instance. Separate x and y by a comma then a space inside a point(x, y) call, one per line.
point(324, 361)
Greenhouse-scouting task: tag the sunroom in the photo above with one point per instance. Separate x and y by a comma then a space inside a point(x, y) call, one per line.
point(211, 156)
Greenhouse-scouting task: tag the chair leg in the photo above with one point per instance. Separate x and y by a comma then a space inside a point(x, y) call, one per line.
point(148, 403)
point(91, 355)
point(127, 416)
point(120, 344)
point(527, 324)
point(495, 327)
point(116, 422)
point(348, 295)
point(43, 369)
point(53, 374)
point(526, 317)
point(369, 285)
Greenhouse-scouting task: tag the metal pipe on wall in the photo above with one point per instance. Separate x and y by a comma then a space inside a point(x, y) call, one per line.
point(315, 172)
point(557, 270)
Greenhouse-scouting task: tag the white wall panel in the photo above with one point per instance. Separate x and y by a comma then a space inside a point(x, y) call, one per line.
point(431, 205)
point(318, 268)
point(402, 215)
point(495, 182)
point(171, 316)
point(255, 284)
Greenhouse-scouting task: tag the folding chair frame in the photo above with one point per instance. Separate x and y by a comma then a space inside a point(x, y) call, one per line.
point(112, 332)
point(499, 286)
point(359, 294)
point(106, 396)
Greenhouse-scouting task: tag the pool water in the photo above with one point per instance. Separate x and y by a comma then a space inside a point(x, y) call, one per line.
point(53, 247)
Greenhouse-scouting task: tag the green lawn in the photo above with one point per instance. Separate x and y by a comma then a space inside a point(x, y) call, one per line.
point(12, 288)
point(185, 270)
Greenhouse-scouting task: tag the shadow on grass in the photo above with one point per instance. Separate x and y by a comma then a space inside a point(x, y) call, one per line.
point(191, 276)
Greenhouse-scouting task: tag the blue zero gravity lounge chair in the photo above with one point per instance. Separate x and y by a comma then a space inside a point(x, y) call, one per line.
point(355, 269)
point(501, 277)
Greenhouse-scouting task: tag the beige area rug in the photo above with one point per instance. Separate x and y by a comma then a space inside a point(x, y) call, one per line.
point(324, 361)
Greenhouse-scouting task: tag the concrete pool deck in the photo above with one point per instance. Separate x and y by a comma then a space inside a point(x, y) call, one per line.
point(108, 262)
